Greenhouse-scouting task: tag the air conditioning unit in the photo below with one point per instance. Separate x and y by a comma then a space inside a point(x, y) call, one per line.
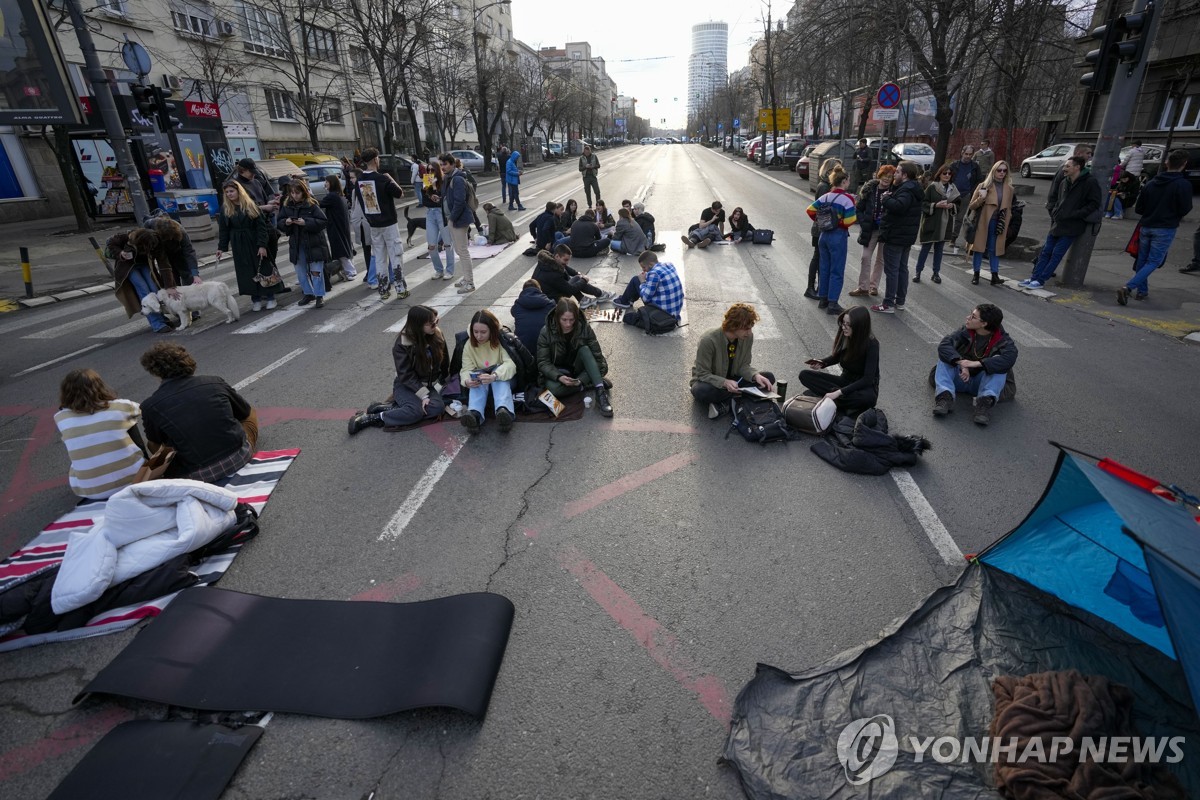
point(225, 29)
point(172, 82)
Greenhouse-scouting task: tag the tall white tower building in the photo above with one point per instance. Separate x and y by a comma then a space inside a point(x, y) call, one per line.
point(708, 63)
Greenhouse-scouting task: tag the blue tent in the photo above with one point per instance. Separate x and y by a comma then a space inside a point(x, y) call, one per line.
point(1102, 577)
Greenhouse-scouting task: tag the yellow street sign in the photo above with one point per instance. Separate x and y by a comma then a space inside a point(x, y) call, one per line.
point(779, 119)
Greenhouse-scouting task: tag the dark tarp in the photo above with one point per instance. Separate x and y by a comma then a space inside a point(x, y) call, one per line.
point(218, 650)
point(176, 760)
point(931, 672)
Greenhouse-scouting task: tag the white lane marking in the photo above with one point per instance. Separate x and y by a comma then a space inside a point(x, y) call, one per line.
point(921, 322)
point(138, 325)
point(342, 321)
point(934, 529)
point(449, 298)
point(56, 360)
point(737, 286)
point(242, 384)
point(64, 310)
point(74, 325)
point(421, 491)
point(272, 320)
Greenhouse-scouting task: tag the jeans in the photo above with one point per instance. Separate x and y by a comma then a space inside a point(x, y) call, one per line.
point(388, 249)
point(705, 232)
point(143, 284)
point(514, 195)
point(417, 186)
point(981, 384)
point(993, 259)
point(406, 408)
point(310, 275)
point(590, 185)
point(584, 369)
point(560, 236)
point(502, 397)
point(461, 239)
point(633, 290)
point(1152, 252)
point(707, 393)
point(895, 267)
point(1118, 209)
point(833, 246)
point(436, 232)
point(868, 274)
point(937, 248)
point(1052, 252)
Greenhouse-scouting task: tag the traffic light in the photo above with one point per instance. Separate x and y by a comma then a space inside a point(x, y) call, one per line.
point(1134, 27)
point(165, 121)
point(146, 100)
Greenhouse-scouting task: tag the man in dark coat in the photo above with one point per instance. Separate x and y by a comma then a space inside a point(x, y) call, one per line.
point(897, 232)
point(965, 176)
point(1079, 202)
point(1164, 202)
point(585, 240)
point(977, 359)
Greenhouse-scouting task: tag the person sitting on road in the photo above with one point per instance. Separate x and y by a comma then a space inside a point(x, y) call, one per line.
point(722, 363)
point(543, 226)
point(585, 240)
point(487, 368)
point(559, 279)
point(212, 427)
point(857, 350)
point(977, 359)
point(562, 227)
point(529, 313)
point(569, 357)
point(101, 434)
point(645, 220)
point(709, 229)
point(658, 285)
point(740, 229)
point(500, 228)
point(603, 219)
point(628, 237)
point(422, 366)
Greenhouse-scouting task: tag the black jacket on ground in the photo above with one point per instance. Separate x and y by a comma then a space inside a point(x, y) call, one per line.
point(902, 215)
point(865, 447)
point(554, 279)
point(529, 315)
point(1165, 200)
point(1078, 201)
point(200, 416)
point(311, 233)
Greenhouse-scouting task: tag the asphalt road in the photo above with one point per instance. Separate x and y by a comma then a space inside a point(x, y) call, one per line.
point(651, 560)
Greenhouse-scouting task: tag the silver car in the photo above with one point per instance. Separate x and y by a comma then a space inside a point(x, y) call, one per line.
point(317, 173)
point(1048, 162)
point(472, 160)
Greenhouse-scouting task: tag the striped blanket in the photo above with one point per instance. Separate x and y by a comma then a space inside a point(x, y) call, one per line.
point(253, 484)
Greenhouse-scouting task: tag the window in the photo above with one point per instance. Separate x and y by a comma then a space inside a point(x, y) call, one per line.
point(359, 59)
point(1189, 117)
point(264, 30)
point(576, 54)
point(468, 125)
point(190, 21)
point(280, 106)
point(331, 111)
point(112, 6)
point(320, 43)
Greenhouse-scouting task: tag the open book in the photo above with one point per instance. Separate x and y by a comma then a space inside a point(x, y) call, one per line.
point(754, 391)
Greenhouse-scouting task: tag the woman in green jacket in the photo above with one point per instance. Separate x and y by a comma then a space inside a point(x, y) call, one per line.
point(568, 354)
point(937, 221)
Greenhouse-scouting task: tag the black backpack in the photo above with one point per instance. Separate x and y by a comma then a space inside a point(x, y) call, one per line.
point(758, 420)
point(652, 319)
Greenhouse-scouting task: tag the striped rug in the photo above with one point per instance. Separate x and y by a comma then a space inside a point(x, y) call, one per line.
point(253, 484)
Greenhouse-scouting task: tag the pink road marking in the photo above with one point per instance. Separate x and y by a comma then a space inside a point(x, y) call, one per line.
point(628, 483)
point(650, 426)
point(662, 645)
point(408, 582)
point(59, 742)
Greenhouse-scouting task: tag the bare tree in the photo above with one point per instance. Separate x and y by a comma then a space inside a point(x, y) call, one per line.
point(212, 65)
point(444, 76)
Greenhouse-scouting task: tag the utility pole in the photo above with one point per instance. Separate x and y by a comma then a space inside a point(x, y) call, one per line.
point(107, 107)
point(1130, 57)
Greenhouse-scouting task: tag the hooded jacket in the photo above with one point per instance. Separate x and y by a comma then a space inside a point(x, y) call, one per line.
point(554, 277)
point(557, 350)
point(512, 170)
point(500, 228)
point(1165, 200)
point(529, 315)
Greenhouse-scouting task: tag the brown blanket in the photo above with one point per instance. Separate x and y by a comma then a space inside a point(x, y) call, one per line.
point(1070, 704)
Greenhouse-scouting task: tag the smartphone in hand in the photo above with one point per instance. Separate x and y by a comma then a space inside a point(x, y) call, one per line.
point(815, 363)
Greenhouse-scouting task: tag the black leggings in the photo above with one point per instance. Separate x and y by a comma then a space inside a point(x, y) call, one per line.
point(822, 383)
point(814, 264)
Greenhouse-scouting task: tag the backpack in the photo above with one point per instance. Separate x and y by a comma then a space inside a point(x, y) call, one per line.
point(652, 319)
point(758, 420)
point(826, 220)
point(472, 200)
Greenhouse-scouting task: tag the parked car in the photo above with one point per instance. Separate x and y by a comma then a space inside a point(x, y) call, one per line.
point(316, 175)
point(301, 159)
point(803, 162)
point(472, 160)
point(792, 153)
point(647, 140)
point(917, 152)
point(1048, 162)
point(396, 165)
point(843, 150)
point(661, 140)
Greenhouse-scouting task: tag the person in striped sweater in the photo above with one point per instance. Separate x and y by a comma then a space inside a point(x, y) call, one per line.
point(101, 434)
point(837, 206)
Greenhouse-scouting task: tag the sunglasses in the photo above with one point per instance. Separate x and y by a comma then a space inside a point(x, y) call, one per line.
point(1001, 170)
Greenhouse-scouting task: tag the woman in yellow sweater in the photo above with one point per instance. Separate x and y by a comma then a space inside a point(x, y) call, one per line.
point(487, 367)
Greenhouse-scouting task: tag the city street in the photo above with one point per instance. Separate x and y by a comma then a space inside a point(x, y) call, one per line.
point(652, 561)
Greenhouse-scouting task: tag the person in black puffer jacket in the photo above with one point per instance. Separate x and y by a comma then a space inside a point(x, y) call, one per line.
point(303, 222)
point(897, 232)
point(529, 313)
point(865, 447)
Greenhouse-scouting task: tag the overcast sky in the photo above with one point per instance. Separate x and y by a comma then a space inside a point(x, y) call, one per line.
point(645, 43)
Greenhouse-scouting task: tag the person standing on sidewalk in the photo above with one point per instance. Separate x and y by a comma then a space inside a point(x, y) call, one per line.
point(898, 231)
point(1165, 200)
point(589, 164)
point(378, 193)
point(992, 204)
point(457, 204)
point(1079, 203)
point(512, 174)
point(985, 156)
point(965, 176)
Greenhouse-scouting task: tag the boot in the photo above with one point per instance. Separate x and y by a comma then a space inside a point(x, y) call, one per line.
point(603, 404)
point(996, 279)
point(983, 410)
point(975, 279)
point(378, 408)
point(364, 420)
point(943, 404)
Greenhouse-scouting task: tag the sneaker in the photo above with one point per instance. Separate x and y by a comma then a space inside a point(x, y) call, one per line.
point(859, 293)
point(256, 306)
point(272, 304)
point(936, 278)
point(953, 250)
point(883, 308)
point(466, 288)
point(1025, 283)
point(308, 298)
point(899, 306)
point(874, 292)
point(713, 411)
point(364, 420)
point(1123, 296)
point(437, 276)
point(447, 276)
point(458, 283)
point(688, 241)
point(943, 404)
point(602, 403)
point(384, 291)
point(834, 309)
point(1141, 295)
point(1034, 285)
point(504, 420)
point(621, 303)
point(703, 243)
point(588, 302)
point(1120, 216)
point(983, 410)
point(404, 292)
point(607, 297)
point(471, 421)
point(351, 274)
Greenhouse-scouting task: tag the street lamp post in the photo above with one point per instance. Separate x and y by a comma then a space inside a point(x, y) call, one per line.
point(481, 85)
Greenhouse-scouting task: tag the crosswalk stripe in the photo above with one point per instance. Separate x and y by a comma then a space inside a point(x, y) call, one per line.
point(66, 310)
point(1025, 332)
point(342, 321)
point(922, 322)
point(272, 320)
point(449, 298)
point(84, 322)
point(737, 286)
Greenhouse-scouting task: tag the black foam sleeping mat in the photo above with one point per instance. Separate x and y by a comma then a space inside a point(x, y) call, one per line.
point(175, 760)
point(218, 650)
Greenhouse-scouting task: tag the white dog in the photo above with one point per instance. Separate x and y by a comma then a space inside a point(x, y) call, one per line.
point(196, 297)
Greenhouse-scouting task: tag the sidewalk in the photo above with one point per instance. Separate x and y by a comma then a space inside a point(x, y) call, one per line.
point(64, 265)
point(1173, 307)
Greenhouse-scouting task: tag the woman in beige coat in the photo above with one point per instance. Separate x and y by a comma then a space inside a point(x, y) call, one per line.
point(991, 207)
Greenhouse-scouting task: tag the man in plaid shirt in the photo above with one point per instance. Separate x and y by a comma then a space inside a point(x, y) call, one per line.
point(657, 286)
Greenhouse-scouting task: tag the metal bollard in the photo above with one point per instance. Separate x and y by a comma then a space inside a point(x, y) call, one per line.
point(100, 255)
point(26, 272)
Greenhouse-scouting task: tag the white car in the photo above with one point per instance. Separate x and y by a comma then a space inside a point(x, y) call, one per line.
point(472, 160)
point(647, 140)
point(661, 140)
point(916, 152)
